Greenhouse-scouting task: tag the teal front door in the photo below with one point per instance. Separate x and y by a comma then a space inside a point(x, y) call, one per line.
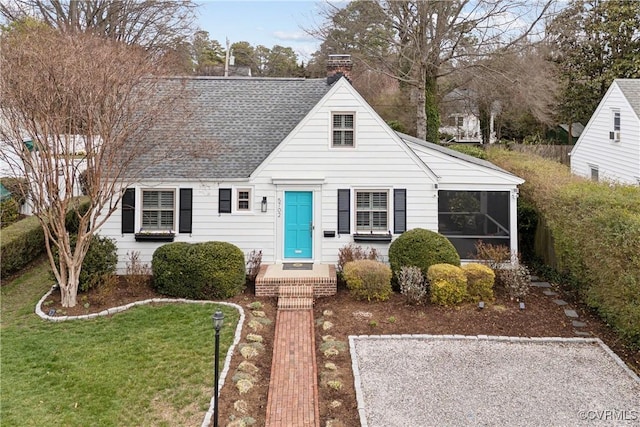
point(298, 224)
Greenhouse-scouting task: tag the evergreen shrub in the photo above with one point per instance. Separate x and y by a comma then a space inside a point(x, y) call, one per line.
point(480, 281)
point(421, 248)
point(368, 279)
point(208, 270)
point(447, 284)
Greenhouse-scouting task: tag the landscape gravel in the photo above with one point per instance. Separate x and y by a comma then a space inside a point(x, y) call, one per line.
point(491, 381)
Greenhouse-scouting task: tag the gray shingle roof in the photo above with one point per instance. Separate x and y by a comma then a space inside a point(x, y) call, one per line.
point(231, 125)
point(452, 153)
point(631, 90)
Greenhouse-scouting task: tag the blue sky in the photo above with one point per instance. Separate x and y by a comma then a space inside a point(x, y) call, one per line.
point(263, 22)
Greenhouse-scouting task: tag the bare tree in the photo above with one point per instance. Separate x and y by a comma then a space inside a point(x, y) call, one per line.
point(82, 101)
point(432, 39)
point(155, 25)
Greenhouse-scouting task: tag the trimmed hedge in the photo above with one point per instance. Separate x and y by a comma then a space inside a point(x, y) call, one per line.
point(23, 241)
point(480, 281)
point(594, 235)
point(421, 248)
point(209, 270)
point(368, 279)
point(447, 284)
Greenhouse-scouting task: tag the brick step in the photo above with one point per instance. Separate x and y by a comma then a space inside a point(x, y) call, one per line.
point(301, 291)
point(294, 303)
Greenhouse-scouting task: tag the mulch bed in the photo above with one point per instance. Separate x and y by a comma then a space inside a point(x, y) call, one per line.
point(541, 318)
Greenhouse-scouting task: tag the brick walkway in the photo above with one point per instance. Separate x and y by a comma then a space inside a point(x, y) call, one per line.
point(293, 390)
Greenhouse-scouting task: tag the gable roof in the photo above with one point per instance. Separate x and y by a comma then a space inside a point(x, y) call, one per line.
point(232, 125)
point(630, 88)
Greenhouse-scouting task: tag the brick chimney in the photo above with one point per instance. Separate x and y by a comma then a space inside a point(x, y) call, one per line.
point(338, 66)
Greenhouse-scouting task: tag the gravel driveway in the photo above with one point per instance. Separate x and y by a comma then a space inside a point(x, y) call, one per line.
point(480, 381)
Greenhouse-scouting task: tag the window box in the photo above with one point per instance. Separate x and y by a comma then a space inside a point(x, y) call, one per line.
point(155, 236)
point(380, 238)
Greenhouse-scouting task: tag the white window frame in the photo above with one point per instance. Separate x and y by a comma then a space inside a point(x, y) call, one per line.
point(249, 199)
point(615, 116)
point(343, 129)
point(370, 228)
point(159, 208)
point(594, 173)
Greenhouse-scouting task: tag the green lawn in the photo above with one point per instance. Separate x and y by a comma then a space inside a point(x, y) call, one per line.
point(148, 366)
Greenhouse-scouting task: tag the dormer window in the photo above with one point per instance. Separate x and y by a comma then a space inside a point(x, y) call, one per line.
point(342, 129)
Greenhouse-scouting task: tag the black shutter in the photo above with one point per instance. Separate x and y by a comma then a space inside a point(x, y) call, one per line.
point(186, 202)
point(399, 211)
point(344, 211)
point(128, 210)
point(224, 200)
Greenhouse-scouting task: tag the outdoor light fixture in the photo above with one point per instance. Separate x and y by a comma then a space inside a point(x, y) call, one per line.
point(521, 306)
point(217, 318)
point(263, 205)
point(481, 305)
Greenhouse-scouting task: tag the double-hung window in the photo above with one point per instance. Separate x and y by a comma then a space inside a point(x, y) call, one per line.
point(372, 211)
point(158, 209)
point(342, 127)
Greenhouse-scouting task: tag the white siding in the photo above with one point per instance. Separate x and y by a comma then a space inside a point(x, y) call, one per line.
point(615, 161)
point(305, 161)
point(379, 160)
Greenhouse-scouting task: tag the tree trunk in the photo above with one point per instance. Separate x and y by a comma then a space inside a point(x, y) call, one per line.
point(484, 116)
point(431, 108)
point(68, 295)
point(421, 117)
point(69, 287)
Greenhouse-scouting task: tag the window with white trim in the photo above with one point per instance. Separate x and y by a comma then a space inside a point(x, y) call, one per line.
point(614, 135)
point(158, 209)
point(342, 128)
point(243, 199)
point(372, 211)
point(595, 174)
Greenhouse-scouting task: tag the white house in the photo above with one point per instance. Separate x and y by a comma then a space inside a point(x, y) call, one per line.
point(460, 117)
point(609, 147)
point(299, 168)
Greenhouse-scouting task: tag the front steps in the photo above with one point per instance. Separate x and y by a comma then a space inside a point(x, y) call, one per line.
point(295, 297)
point(322, 279)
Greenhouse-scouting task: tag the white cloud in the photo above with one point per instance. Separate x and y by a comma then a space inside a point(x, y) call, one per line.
point(297, 36)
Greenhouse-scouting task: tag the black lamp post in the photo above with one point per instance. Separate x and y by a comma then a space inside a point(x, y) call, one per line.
point(217, 318)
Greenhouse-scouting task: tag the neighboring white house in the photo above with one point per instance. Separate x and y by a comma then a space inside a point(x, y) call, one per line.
point(460, 117)
point(299, 168)
point(609, 147)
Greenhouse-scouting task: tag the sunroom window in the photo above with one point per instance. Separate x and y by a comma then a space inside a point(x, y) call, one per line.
point(372, 211)
point(466, 217)
point(158, 208)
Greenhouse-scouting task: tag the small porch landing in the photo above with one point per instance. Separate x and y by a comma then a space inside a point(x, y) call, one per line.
point(273, 281)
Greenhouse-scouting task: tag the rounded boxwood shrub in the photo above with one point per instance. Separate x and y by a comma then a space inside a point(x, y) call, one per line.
point(209, 270)
point(421, 248)
point(447, 284)
point(480, 280)
point(368, 279)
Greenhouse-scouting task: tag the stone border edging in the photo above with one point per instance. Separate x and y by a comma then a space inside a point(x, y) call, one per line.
point(356, 370)
point(225, 370)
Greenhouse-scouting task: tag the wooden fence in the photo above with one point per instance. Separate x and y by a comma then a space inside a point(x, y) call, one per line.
point(558, 153)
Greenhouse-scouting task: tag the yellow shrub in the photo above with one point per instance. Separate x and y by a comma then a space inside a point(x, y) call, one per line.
point(368, 279)
point(447, 284)
point(480, 280)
